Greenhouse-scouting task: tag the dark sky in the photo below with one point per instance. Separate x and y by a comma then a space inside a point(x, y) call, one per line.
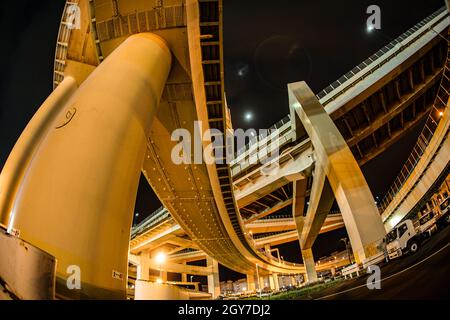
point(267, 44)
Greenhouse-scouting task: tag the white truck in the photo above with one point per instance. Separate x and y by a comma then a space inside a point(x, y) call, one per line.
point(406, 238)
point(403, 239)
point(444, 218)
point(427, 224)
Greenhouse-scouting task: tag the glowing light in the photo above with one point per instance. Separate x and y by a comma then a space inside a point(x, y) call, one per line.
point(160, 258)
point(441, 113)
point(370, 28)
point(248, 116)
point(159, 280)
point(395, 220)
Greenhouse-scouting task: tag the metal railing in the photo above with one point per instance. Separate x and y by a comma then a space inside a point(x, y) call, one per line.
point(431, 124)
point(351, 75)
point(275, 217)
point(154, 218)
point(256, 139)
point(62, 45)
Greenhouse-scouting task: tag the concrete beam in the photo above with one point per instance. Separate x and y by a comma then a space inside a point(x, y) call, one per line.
point(320, 203)
point(269, 211)
point(264, 185)
point(349, 186)
point(180, 268)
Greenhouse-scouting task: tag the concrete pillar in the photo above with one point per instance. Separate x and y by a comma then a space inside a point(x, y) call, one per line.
point(184, 275)
point(308, 262)
point(143, 269)
point(361, 217)
point(77, 199)
point(251, 282)
point(271, 282)
point(164, 276)
point(258, 280)
point(298, 204)
point(213, 279)
point(276, 284)
point(265, 280)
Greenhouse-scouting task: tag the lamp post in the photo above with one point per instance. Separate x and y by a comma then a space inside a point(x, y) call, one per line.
point(345, 240)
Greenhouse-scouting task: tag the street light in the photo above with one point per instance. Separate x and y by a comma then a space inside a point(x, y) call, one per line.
point(160, 258)
point(345, 240)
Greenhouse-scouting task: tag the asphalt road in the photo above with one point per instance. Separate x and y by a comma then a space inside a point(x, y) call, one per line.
point(425, 275)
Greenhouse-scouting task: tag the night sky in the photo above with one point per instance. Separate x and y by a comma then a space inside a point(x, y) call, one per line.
point(267, 44)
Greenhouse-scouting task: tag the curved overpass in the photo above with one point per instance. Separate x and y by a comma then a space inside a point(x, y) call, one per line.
point(200, 196)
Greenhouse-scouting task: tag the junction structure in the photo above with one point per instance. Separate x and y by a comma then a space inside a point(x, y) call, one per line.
point(137, 70)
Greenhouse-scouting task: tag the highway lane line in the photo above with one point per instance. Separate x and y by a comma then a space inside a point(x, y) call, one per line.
point(395, 274)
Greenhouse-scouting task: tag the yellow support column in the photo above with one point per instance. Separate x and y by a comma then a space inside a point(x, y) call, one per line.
point(361, 217)
point(308, 262)
point(77, 198)
point(20, 157)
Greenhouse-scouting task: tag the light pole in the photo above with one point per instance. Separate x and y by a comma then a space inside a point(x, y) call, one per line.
point(347, 248)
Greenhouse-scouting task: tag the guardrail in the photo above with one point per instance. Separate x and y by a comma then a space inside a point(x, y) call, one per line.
point(351, 75)
point(431, 124)
point(375, 259)
point(62, 45)
point(157, 216)
point(263, 135)
point(350, 270)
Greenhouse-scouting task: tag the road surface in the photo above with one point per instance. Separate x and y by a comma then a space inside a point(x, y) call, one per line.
point(425, 275)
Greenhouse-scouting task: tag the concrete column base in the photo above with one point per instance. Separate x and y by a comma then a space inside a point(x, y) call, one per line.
point(213, 279)
point(308, 261)
point(251, 283)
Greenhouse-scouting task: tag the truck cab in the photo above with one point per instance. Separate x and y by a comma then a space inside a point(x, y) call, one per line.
point(403, 239)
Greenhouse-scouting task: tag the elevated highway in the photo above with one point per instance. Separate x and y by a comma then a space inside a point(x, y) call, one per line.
point(108, 62)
